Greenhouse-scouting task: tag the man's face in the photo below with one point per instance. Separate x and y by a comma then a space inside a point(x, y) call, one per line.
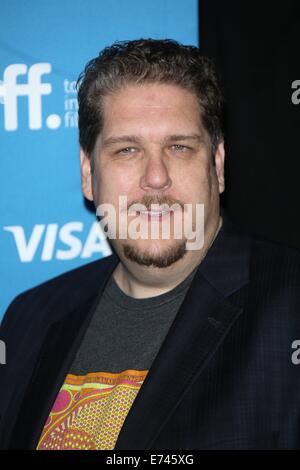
point(153, 149)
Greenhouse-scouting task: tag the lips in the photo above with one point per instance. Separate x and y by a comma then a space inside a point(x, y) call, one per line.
point(155, 215)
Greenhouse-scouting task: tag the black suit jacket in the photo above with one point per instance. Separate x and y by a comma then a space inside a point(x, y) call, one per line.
point(223, 377)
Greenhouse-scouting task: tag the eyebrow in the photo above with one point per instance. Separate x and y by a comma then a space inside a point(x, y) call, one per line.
point(135, 139)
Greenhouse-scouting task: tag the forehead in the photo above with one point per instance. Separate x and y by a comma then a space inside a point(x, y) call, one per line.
point(151, 108)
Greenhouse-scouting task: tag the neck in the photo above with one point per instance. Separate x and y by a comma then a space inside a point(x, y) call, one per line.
point(143, 281)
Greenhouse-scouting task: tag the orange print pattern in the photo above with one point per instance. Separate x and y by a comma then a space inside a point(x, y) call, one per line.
point(90, 411)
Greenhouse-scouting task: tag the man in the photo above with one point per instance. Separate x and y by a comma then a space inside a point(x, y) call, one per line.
point(173, 342)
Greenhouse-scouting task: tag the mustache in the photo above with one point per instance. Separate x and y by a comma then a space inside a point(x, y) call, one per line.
point(148, 201)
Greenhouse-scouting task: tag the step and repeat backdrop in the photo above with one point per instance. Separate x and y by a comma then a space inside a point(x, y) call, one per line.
point(46, 227)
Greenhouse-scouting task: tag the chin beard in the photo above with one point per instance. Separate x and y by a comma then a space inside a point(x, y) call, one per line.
point(157, 260)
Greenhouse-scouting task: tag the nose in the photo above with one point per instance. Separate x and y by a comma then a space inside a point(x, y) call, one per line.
point(155, 175)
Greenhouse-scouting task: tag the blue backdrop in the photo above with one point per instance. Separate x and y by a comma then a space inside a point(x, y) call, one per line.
point(45, 226)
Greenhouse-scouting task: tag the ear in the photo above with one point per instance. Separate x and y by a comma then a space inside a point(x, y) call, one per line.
point(86, 175)
point(219, 163)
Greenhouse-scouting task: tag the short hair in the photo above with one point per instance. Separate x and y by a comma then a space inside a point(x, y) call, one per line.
point(148, 61)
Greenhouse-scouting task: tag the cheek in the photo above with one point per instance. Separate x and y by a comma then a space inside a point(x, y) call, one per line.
point(111, 184)
point(207, 177)
point(195, 184)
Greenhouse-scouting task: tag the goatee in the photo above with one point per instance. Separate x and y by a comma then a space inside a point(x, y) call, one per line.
point(160, 260)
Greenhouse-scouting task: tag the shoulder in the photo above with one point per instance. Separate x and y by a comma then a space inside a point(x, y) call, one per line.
point(70, 288)
point(272, 254)
point(274, 277)
point(263, 251)
point(273, 267)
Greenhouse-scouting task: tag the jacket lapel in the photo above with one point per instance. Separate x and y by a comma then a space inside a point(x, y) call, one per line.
point(197, 331)
point(55, 358)
point(201, 325)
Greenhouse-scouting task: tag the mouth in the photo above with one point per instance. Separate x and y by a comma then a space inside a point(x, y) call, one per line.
point(155, 215)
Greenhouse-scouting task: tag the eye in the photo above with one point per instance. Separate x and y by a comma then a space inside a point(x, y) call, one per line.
point(180, 148)
point(126, 150)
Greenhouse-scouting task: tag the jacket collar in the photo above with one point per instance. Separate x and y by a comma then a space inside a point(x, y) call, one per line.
point(226, 265)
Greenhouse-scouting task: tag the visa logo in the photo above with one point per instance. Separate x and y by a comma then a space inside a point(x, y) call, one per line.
point(68, 234)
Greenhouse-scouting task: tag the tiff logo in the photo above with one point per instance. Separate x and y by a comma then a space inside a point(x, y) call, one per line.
point(34, 89)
